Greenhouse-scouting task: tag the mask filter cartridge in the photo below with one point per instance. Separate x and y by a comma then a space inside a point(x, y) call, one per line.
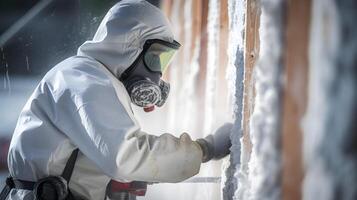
point(145, 93)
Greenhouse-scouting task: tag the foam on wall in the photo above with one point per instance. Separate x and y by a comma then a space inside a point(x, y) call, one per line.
point(329, 130)
point(329, 125)
point(264, 165)
point(235, 72)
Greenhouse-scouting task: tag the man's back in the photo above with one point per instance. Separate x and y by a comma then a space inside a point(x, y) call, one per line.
point(42, 141)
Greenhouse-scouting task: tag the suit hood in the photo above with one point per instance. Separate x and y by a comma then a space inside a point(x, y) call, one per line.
point(122, 33)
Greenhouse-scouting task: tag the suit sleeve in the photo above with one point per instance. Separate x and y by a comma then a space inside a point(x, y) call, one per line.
point(105, 133)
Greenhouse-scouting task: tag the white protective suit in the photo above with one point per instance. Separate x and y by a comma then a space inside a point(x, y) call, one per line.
point(80, 103)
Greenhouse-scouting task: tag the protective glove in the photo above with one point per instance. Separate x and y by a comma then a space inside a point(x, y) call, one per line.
point(216, 146)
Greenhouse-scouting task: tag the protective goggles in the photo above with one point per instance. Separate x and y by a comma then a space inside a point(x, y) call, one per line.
point(158, 54)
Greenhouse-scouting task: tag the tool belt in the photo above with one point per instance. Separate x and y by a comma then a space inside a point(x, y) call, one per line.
point(48, 188)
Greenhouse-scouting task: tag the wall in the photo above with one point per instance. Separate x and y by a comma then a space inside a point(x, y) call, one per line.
point(330, 152)
point(302, 130)
point(285, 73)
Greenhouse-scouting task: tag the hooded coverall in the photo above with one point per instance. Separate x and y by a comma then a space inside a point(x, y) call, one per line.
point(80, 103)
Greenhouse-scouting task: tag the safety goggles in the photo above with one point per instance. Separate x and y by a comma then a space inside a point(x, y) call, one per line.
point(158, 54)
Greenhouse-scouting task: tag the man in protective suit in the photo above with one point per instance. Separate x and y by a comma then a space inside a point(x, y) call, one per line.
point(84, 103)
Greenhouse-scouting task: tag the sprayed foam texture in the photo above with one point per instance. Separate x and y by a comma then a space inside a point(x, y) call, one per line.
point(329, 126)
point(235, 72)
point(264, 164)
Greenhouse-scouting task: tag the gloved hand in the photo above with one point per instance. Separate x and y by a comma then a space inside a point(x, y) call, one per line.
point(216, 146)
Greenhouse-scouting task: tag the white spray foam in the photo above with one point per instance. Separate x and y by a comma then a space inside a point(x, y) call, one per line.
point(329, 124)
point(264, 165)
point(316, 172)
point(234, 76)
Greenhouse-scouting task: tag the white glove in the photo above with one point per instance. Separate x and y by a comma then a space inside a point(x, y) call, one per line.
point(216, 146)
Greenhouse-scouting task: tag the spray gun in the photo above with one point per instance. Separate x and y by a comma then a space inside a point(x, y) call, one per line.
point(129, 191)
point(126, 191)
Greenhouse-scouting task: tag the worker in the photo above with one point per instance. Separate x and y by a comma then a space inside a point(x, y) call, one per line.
point(77, 131)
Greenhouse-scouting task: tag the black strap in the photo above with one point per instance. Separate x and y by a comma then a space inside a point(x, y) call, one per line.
point(7, 188)
point(29, 185)
point(68, 170)
point(21, 184)
point(5, 192)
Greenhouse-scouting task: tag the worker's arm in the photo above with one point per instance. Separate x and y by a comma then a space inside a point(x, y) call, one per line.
point(170, 159)
point(162, 158)
point(104, 131)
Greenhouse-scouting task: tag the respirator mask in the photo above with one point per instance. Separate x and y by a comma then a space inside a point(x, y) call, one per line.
point(142, 78)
